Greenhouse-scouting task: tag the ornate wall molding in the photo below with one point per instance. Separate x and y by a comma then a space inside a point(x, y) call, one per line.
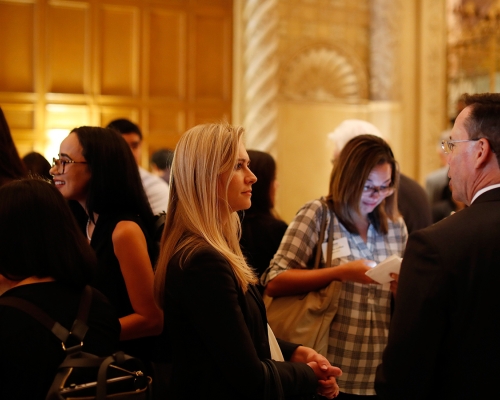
point(432, 83)
point(385, 33)
point(324, 73)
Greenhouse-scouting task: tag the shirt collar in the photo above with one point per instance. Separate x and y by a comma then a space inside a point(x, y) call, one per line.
point(483, 190)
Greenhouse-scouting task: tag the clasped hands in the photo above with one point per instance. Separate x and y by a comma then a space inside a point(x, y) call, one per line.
point(324, 371)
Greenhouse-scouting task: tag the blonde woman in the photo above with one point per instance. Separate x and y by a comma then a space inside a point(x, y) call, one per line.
point(215, 315)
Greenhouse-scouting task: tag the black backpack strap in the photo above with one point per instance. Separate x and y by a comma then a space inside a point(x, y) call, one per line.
point(37, 313)
point(79, 328)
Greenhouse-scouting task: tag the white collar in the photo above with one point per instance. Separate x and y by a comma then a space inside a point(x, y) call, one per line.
point(483, 190)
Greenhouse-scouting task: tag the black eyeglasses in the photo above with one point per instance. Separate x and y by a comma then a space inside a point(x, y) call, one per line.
point(56, 162)
point(382, 190)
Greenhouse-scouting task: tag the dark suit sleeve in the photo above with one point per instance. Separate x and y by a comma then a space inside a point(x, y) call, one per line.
point(409, 363)
point(210, 296)
point(287, 348)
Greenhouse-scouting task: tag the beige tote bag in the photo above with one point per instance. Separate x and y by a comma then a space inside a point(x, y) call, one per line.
point(305, 319)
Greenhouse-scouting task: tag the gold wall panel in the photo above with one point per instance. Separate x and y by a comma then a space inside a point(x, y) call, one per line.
point(166, 119)
point(16, 46)
point(167, 56)
point(212, 57)
point(19, 116)
point(164, 64)
point(108, 114)
point(119, 53)
point(68, 47)
point(207, 115)
point(66, 116)
point(165, 127)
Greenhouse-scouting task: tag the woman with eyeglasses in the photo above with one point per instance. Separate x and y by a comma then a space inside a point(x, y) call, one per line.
point(368, 229)
point(97, 173)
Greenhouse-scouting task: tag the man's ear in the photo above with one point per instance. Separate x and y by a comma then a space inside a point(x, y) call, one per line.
point(484, 153)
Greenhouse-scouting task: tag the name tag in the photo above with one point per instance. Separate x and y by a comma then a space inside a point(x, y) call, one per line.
point(340, 248)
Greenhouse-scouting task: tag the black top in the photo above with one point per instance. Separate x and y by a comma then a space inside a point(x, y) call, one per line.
point(109, 278)
point(211, 320)
point(30, 353)
point(260, 238)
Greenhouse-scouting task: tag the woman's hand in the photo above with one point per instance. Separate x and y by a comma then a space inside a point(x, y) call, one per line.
point(328, 388)
point(394, 284)
point(354, 271)
point(327, 385)
point(324, 371)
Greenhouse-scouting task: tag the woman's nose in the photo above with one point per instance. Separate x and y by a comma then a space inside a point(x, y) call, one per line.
point(252, 178)
point(53, 170)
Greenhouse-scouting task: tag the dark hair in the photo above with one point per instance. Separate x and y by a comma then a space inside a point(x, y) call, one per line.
point(39, 235)
point(484, 119)
point(115, 185)
point(349, 174)
point(163, 158)
point(37, 165)
point(11, 166)
point(124, 126)
point(264, 167)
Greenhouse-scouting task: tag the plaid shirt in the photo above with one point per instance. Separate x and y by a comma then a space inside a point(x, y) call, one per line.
point(359, 331)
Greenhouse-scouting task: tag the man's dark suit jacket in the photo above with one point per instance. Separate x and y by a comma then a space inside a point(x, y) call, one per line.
point(219, 334)
point(444, 337)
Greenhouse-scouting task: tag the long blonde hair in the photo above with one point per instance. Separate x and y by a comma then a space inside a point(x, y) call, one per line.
point(196, 215)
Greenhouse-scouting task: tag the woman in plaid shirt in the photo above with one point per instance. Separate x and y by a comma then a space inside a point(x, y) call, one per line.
point(368, 228)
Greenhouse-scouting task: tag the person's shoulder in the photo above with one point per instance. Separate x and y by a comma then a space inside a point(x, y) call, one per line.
point(200, 264)
point(150, 180)
point(279, 224)
point(408, 184)
point(127, 227)
point(203, 254)
point(313, 206)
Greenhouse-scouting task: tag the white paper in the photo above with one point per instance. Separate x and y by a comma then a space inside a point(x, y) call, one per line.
point(380, 272)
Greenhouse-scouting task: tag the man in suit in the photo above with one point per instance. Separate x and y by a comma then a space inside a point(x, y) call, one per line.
point(443, 340)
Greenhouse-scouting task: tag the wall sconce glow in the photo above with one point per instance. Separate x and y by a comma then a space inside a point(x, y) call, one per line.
point(54, 139)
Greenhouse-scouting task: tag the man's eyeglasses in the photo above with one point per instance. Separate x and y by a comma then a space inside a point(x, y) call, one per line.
point(57, 162)
point(382, 190)
point(449, 145)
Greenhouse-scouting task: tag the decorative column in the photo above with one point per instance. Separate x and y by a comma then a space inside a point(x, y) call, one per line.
point(384, 49)
point(260, 19)
point(433, 82)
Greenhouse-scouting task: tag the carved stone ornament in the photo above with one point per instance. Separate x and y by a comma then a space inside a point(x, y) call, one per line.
point(325, 74)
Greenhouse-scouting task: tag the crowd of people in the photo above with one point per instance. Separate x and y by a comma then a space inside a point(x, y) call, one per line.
point(190, 305)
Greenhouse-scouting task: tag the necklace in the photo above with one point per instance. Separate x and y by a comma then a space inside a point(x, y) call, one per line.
point(87, 230)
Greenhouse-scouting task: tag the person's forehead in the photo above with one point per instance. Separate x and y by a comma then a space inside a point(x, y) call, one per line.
point(459, 130)
point(131, 137)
